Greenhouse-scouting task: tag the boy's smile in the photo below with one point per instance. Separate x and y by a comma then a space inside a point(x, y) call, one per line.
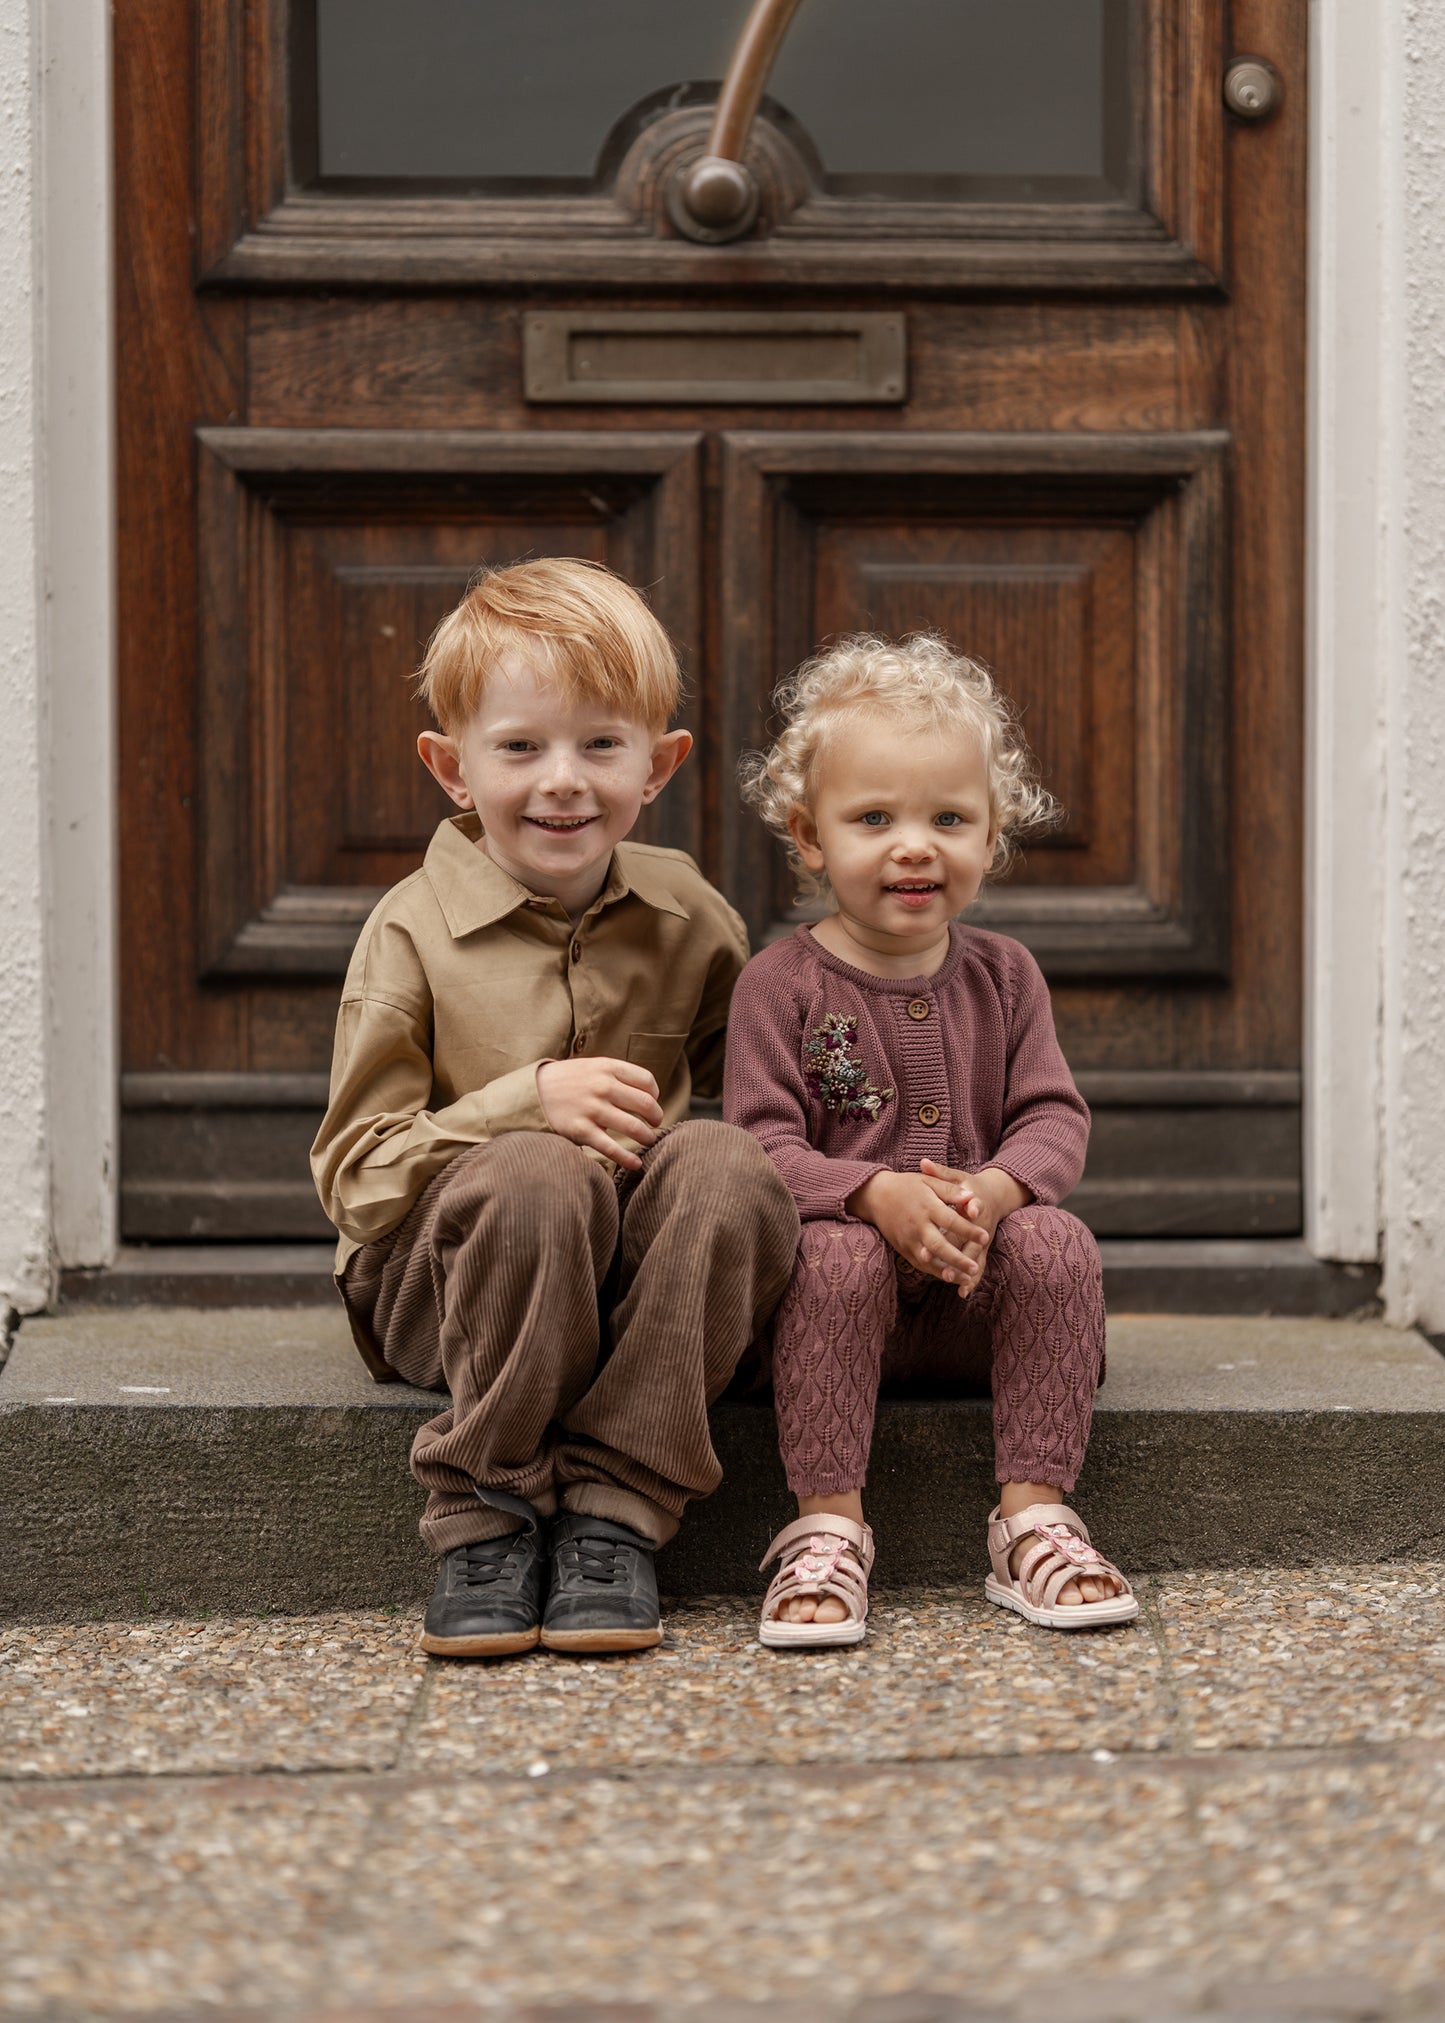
point(902, 824)
point(557, 781)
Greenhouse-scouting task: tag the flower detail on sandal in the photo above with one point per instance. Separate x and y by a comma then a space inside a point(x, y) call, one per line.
point(836, 1076)
point(1071, 1545)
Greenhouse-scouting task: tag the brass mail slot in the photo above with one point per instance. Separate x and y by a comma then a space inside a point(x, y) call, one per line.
point(646, 357)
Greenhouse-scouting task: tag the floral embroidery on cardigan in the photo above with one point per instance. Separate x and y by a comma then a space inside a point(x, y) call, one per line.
point(836, 1076)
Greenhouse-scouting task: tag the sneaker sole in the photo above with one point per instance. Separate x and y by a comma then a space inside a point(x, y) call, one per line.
point(505, 1644)
point(601, 1640)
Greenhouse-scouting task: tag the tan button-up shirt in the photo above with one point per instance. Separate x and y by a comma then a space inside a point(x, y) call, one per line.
point(463, 983)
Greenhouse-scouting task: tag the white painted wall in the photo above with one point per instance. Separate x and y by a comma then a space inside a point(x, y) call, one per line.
point(1414, 882)
point(24, 1105)
point(57, 794)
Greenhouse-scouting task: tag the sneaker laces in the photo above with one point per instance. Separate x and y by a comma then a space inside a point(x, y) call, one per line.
point(490, 1560)
point(595, 1559)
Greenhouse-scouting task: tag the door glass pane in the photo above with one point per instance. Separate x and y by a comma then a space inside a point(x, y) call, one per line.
point(954, 99)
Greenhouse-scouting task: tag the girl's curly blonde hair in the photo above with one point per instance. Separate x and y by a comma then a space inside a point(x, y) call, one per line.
point(918, 681)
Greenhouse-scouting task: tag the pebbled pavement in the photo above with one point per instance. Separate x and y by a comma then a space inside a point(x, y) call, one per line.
point(1235, 1809)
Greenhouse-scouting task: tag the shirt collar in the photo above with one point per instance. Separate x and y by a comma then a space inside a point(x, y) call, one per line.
point(639, 874)
point(475, 892)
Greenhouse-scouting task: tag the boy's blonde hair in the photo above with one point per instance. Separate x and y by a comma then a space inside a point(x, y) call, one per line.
point(918, 682)
point(579, 624)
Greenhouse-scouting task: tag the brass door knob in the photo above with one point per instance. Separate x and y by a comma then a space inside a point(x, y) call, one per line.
point(1253, 88)
point(715, 199)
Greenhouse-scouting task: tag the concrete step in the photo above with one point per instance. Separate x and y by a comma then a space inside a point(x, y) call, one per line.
point(181, 1460)
point(1187, 1275)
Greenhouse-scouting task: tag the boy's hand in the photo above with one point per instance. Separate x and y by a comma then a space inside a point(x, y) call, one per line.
point(586, 1100)
point(912, 1214)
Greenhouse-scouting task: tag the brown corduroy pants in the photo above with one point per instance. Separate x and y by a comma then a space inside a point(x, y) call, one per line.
point(583, 1321)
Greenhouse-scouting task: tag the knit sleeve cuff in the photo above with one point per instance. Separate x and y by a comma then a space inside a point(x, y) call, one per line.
point(1018, 1166)
point(826, 1198)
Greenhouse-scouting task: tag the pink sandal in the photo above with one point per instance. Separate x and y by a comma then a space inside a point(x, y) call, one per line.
point(1061, 1552)
point(821, 1555)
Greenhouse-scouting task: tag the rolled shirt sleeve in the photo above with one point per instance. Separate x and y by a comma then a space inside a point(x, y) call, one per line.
point(380, 1142)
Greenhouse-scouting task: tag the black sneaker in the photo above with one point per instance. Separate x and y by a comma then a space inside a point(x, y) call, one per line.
point(488, 1598)
point(603, 1595)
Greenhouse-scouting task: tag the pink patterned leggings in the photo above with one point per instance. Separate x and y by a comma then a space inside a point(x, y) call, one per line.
point(854, 1317)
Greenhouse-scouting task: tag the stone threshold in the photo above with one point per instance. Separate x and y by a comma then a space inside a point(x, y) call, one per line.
point(179, 1461)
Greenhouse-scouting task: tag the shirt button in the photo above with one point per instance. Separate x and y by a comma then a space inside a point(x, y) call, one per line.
point(576, 951)
point(929, 1114)
point(918, 1007)
point(579, 1045)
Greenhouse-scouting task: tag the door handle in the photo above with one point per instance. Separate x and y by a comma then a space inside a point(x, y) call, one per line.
point(716, 196)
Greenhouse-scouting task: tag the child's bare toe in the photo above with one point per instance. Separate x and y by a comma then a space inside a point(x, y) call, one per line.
point(828, 1609)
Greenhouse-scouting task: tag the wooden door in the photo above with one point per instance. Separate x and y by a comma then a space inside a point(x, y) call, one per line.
point(1014, 348)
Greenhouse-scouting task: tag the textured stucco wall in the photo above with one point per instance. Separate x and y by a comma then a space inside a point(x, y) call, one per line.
point(1414, 935)
point(24, 1166)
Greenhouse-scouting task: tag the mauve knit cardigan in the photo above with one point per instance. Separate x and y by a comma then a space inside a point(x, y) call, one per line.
point(970, 1055)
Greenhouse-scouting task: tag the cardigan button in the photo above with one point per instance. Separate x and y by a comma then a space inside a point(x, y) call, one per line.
point(918, 1007)
point(929, 1114)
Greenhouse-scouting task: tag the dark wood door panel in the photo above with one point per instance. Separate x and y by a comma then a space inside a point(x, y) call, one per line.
point(210, 1156)
point(457, 362)
point(1091, 572)
point(1049, 606)
point(327, 556)
point(1094, 481)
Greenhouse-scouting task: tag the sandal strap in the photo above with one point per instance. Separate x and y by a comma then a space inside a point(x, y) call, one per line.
point(1004, 1532)
point(821, 1558)
point(858, 1536)
point(1061, 1551)
point(1062, 1569)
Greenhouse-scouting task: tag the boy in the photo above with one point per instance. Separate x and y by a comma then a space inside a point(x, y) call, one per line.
point(525, 1218)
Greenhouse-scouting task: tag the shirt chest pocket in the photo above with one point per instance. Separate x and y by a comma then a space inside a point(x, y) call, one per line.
point(658, 1053)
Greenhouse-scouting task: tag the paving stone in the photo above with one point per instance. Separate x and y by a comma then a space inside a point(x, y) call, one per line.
point(1312, 1998)
point(940, 1676)
point(1334, 1868)
point(959, 1879)
point(965, 1821)
point(155, 1895)
point(223, 1695)
point(1295, 1659)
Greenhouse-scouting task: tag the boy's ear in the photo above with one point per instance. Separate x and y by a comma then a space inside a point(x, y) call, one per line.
point(992, 847)
point(804, 832)
point(439, 755)
point(668, 753)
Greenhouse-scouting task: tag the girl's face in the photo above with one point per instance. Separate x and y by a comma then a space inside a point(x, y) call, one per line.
point(902, 825)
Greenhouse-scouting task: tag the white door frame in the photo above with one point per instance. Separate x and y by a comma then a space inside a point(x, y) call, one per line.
point(1375, 892)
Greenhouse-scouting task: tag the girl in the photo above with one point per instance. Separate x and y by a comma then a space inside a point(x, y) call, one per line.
point(902, 1072)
